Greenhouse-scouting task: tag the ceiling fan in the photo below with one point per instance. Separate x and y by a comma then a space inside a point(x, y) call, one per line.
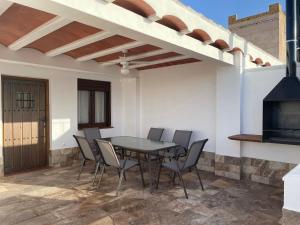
point(126, 63)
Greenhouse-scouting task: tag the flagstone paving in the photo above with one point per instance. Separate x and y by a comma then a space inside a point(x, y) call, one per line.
point(54, 196)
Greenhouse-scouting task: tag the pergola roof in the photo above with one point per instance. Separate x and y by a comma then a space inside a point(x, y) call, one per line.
point(100, 30)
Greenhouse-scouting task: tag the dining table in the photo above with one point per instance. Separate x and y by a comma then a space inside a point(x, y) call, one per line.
point(149, 148)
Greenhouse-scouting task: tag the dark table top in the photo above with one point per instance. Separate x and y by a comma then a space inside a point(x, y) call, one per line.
point(140, 144)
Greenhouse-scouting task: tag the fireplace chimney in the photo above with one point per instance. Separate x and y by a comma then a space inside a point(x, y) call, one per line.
point(291, 36)
point(281, 107)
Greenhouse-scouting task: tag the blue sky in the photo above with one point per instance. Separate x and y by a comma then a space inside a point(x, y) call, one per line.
point(219, 10)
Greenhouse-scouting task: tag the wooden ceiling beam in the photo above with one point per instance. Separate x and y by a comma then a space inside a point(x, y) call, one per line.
point(39, 32)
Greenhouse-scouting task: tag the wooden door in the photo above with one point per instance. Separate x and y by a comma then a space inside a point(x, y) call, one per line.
point(24, 104)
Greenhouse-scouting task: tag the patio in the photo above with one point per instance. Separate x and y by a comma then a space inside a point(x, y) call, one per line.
point(54, 196)
point(67, 65)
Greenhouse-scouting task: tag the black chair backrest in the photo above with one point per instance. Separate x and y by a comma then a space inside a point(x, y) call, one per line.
point(92, 134)
point(155, 134)
point(85, 148)
point(182, 138)
point(194, 153)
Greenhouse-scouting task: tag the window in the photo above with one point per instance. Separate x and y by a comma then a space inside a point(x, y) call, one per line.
point(93, 104)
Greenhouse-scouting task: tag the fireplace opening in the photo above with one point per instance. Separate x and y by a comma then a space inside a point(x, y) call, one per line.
point(282, 122)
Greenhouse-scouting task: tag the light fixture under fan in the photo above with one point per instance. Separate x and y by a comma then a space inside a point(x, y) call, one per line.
point(125, 68)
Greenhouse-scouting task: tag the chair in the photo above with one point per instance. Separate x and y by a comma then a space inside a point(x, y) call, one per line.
point(88, 155)
point(155, 134)
point(181, 138)
point(91, 134)
point(179, 167)
point(110, 159)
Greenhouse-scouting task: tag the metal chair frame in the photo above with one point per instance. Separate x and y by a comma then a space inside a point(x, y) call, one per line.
point(121, 165)
point(94, 157)
point(181, 167)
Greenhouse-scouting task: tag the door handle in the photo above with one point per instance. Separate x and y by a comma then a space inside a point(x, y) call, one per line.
point(44, 122)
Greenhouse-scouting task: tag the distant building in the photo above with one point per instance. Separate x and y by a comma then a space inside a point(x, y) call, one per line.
point(266, 30)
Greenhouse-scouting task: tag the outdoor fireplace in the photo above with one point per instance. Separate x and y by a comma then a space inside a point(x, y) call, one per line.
point(281, 107)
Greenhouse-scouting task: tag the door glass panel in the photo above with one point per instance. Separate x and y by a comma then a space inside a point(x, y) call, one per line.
point(24, 100)
point(27, 99)
point(32, 101)
point(99, 107)
point(83, 106)
point(19, 100)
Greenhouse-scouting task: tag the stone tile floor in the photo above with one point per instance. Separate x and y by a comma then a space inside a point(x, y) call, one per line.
point(54, 196)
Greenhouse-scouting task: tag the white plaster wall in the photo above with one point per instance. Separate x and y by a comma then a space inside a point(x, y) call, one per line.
point(180, 97)
point(257, 84)
point(63, 100)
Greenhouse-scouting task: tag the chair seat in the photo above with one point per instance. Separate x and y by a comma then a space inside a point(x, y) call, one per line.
point(173, 165)
point(128, 164)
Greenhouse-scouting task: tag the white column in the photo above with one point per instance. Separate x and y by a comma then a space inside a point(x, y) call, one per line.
point(130, 106)
point(228, 115)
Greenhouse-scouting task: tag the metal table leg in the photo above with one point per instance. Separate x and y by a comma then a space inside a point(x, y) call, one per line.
point(150, 173)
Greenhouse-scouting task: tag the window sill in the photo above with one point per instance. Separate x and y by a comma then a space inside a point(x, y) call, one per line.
point(81, 127)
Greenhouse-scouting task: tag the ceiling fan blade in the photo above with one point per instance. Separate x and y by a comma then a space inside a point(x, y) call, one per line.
point(109, 63)
point(122, 60)
point(139, 62)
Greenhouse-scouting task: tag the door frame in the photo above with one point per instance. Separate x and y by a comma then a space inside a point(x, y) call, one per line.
point(46, 82)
